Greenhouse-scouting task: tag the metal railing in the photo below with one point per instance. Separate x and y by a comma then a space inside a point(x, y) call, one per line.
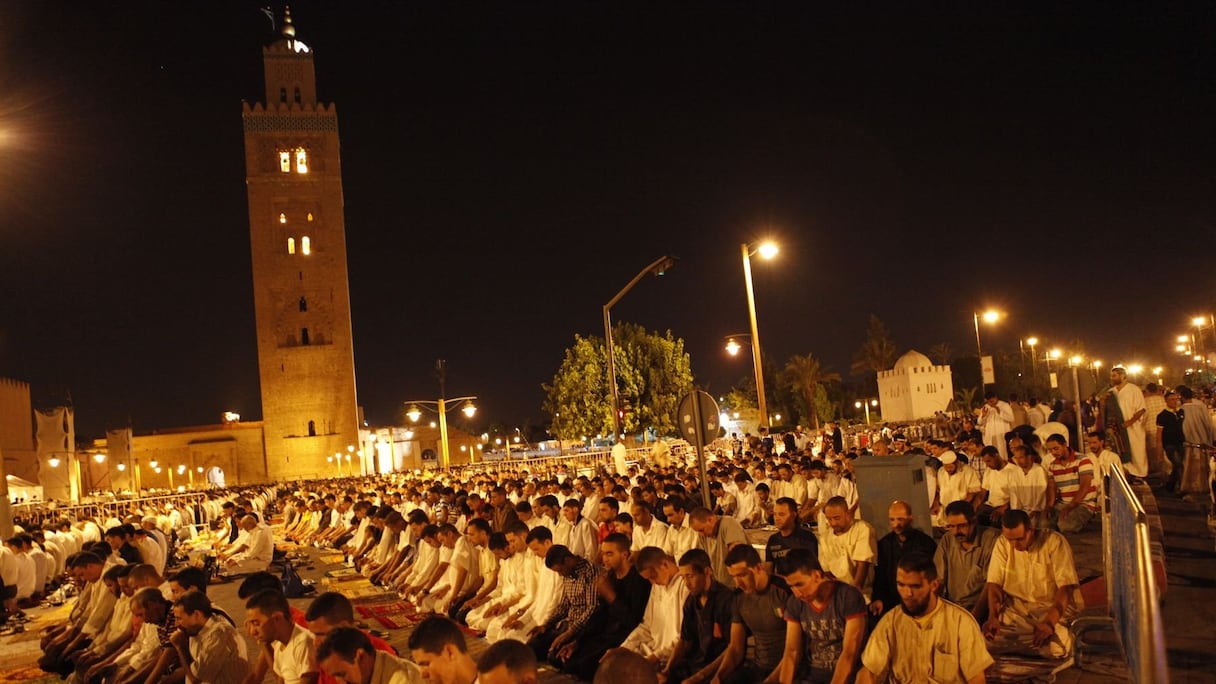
point(574, 462)
point(1133, 610)
point(1197, 470)
point(41, 512)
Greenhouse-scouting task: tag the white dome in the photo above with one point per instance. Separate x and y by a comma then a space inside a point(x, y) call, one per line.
point(913, 359)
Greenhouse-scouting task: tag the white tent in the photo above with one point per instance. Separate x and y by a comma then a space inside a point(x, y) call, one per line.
point(23, 490)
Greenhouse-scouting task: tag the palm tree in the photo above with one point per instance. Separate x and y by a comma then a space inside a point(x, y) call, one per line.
point(803, 375)
point(965, 396)
point(877, 353)
point(941, 353)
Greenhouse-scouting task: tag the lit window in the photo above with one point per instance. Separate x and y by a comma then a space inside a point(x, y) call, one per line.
point(310, 216)
point(291, 245)
point(285, 161)
point(301, 160)
point(305, 246)
point(282, 218)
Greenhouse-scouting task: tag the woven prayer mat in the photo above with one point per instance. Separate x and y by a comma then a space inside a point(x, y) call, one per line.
point(332, 558)
point(28, 674)
point(1009, 669)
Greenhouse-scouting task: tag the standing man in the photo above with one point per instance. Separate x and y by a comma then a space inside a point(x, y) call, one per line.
point(1171, 439)
point(1154, 404)
point(1122, 413)
point(927, 637)
point(1033, 592)
point(1197, 421)
point(996, 418)
point(902, 540)
point(962, 558)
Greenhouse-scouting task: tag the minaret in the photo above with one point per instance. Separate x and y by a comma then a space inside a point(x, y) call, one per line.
point(298, 242)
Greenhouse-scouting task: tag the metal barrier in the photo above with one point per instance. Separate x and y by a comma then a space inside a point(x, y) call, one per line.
point(42, 512)
point(1197, 470)
point(1133, 610)
point(575, 461)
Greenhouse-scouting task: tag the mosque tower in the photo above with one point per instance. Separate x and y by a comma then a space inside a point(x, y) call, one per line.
point(297, 238)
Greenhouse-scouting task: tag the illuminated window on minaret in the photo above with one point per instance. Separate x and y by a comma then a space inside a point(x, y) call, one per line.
point(291, 245)
point(285, 161)
point(305, 246)
point(282, 218)
point(301, 160)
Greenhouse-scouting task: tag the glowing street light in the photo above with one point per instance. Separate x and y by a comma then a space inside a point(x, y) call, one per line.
point(442, 407)
point(733, 347)
point(990, 317)
point(866, 405)
point(766, 250)
point(1032, 342)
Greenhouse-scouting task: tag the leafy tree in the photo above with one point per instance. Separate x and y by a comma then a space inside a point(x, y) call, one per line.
point(653, 373)
point(877, 353)
point(803, 375)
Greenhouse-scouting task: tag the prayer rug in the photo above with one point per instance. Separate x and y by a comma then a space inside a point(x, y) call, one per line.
point(393, 615)
point(29, 674)
point(332, 558)
point(342, 573)
point(1016, 668)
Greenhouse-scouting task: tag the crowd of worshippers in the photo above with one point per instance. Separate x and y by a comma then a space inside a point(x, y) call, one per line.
point(627, 569)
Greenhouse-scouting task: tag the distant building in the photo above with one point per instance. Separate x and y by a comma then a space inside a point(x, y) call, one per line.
point(914, 388)
point(297, 234)
point(17, 430)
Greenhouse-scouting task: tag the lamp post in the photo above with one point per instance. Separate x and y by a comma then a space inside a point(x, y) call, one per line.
point(767, 250)
point(990, 316)
point(866, 405)
point(658, 267)
point(441, 406)
point(1032, 342)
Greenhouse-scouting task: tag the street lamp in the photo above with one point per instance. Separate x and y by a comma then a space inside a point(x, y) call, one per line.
point(866, 405)
point(766, 250)
point(657, 267)
point(441, 406)
point(990, 316)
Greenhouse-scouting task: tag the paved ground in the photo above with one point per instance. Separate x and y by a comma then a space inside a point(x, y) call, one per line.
point(1189, 604)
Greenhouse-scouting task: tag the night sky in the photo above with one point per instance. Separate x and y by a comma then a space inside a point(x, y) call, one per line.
point(508, 167)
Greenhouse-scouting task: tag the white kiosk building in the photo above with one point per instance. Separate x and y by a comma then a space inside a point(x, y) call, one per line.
point(914, 388)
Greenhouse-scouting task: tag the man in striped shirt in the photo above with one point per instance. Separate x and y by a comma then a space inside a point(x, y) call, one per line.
point(1076, 497)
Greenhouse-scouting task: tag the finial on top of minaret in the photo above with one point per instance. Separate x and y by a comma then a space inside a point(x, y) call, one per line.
point(289, 30)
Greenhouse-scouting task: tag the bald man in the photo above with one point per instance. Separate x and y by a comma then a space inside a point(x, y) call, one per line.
point(902, 540)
